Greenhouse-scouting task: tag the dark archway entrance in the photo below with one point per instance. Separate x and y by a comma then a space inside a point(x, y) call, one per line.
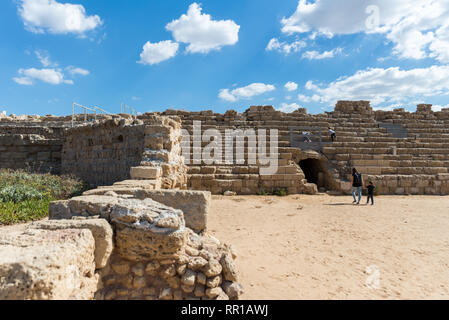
point(315, 172)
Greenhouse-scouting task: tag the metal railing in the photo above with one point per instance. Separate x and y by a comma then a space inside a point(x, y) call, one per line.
point(124, 107)
point(94, 109)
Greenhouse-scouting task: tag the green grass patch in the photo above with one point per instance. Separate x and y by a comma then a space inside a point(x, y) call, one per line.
point(25, 211)
point(26, 196)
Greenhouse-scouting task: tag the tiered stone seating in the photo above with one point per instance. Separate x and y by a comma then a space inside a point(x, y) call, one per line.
point(363, 141)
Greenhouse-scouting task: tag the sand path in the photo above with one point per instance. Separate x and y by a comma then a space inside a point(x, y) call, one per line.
point(319, 247)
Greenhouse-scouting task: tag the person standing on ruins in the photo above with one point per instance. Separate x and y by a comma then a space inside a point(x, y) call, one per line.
point(333, 134)
point(357, 183)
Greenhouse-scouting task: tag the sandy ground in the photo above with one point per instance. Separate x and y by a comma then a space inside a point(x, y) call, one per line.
point(323, 247)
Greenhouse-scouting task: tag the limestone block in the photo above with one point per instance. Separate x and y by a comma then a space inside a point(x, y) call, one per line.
point(149, 173)
point(47, 265)
point(194, 204)
point(147, 230)
point(82, 206)
point(101, 231)
point(310, 188)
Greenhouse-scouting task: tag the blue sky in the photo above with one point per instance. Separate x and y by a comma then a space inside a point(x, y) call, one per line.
point(221, 55)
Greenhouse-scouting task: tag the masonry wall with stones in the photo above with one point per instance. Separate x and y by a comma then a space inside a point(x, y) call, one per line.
point(415, 163)
point(32, 148)
point(118, 247)
point(114, 150)
point(391, 148)
point(103, 153)
point(117, 243)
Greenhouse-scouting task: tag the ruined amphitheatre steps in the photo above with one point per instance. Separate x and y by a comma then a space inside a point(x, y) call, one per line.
point(359, 137)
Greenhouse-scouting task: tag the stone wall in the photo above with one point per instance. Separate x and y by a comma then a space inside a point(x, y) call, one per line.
point(31, 148)
point(151, 151)
point(115, 248)
point(103, 153)
point(120, 149)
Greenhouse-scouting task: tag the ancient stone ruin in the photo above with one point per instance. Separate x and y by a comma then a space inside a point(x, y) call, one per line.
point(141, 232)
point(141, 238)
point(401, 152)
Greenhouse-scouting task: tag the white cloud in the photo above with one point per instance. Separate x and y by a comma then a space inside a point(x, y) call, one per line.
point(391, 85)
point(52, 76)
point(288, 108)
point(388, 108)
point(284, 47)
point(40, 16)
point(25, 81)
point(247, 92)
point(154, 53)
point(437, 108)
point(418, 29)
point(304, 98)
point(291, 86)
point(315, 55)
point(77, 71)
point(201, 32)
point(44, 58)
point(224, 94)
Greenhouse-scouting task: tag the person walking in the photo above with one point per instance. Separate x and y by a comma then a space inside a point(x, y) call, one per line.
point(333, 134)
point(357, 183)
point(371, 187)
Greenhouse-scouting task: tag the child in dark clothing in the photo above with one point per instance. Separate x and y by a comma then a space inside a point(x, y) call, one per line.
point(371, 187)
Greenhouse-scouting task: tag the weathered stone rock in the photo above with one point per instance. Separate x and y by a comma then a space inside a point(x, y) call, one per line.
point(201, 278)
point(230, 272)
point(214, 281)
point(139, 269)
point(166, 294)
point(138, 235)
point(197, 263)
point(47, 265)
point(101, 230)
point(189, 278)
point(200, 291)
point(168, 271)
point(120, 267)
point(194, 204)
point(139, 282)
point(152, 267)
point(213, 268)
point(233, 290)
point(181, 270)
point(212, 293)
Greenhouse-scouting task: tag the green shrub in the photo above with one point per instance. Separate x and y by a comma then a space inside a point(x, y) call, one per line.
point(262, 192)
point(30, 210)
point(19, 193)
point(25, 196)
point(281, 192)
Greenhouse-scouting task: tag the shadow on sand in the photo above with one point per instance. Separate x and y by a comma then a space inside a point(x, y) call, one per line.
point(346, 204)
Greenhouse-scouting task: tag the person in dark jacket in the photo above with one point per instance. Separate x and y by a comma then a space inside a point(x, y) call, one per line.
point(357, 183)
point(371, 187)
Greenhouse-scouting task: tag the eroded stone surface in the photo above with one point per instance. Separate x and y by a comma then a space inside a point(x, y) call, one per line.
point(48, 265)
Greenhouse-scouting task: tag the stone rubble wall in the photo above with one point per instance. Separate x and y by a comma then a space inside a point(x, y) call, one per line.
point(106, 152)
point(361, 143)
point(115, 247)
point(103, 153)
